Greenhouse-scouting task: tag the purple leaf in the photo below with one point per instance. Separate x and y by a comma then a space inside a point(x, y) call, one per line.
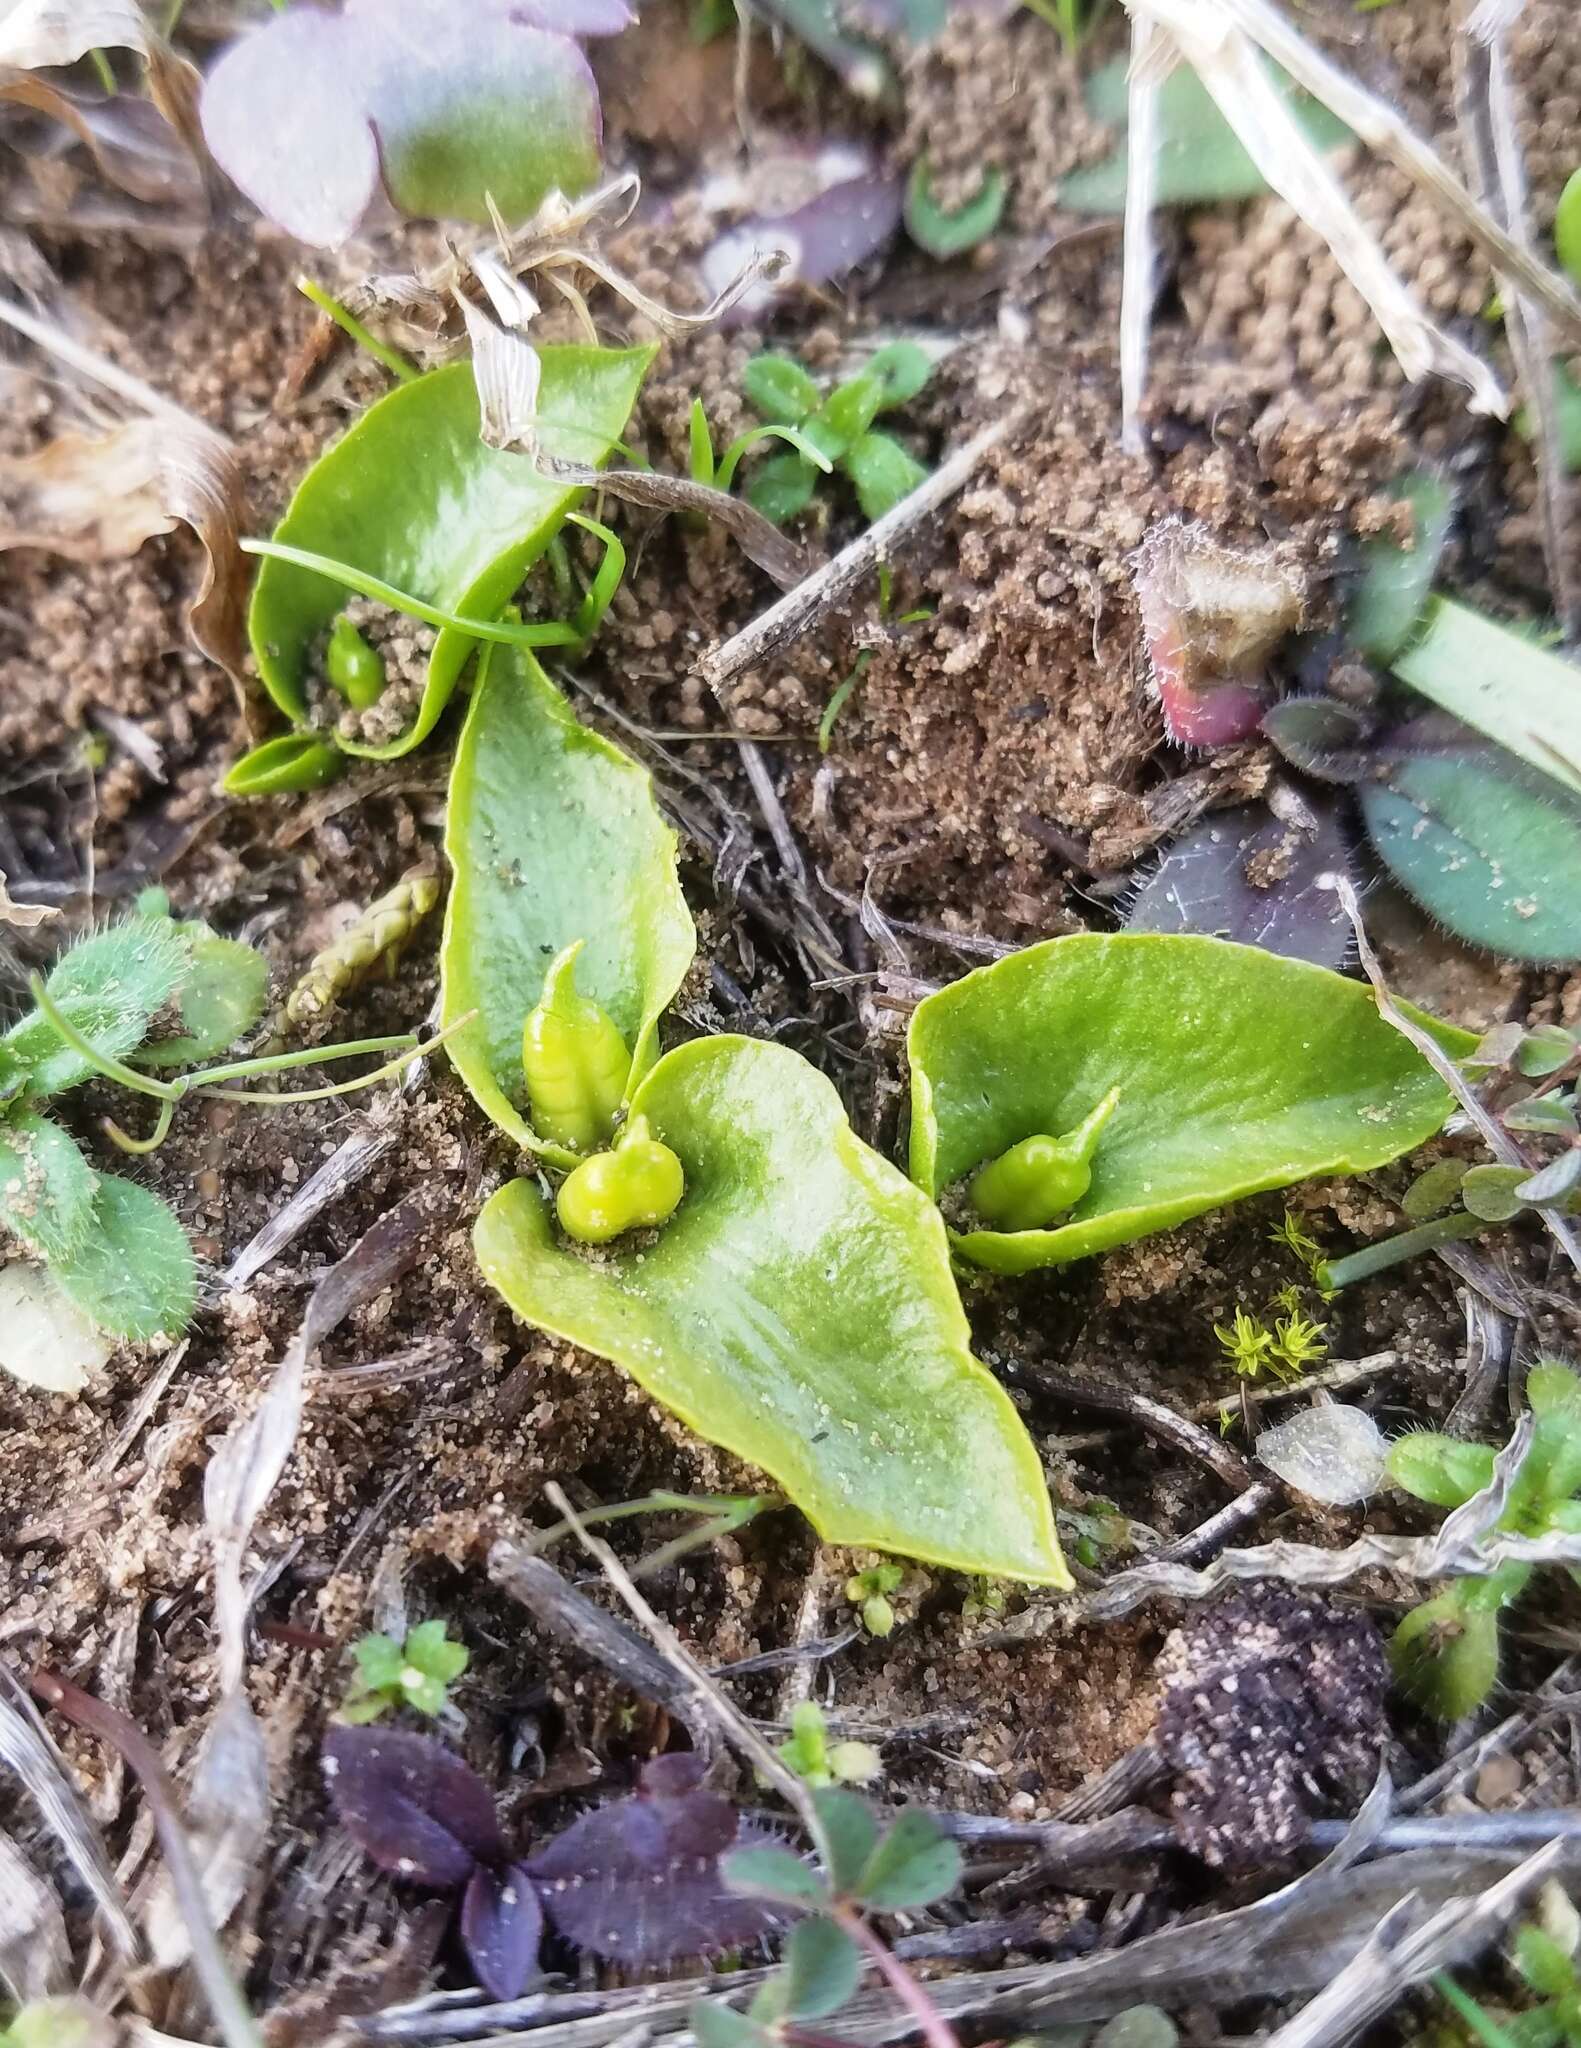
point(836, 211)
point(501, 1928)
point(1247, 876)
point(637, 1880)
point(284, 119)
point(411, 1804)
point(445, 105)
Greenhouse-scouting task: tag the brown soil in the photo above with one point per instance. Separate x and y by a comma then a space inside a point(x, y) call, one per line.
point(998, 773)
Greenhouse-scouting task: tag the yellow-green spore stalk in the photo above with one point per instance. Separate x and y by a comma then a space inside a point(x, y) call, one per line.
point(575, 1062)
point(354, 667)
point(636, 1186)
point(1036, 1182)
point(374, 943)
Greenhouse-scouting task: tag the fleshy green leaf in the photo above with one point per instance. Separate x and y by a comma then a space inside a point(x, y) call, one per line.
point(1445, 1654)
point(767, 1872)
point(1200, 158)
point(822, 1968)
point(1396, 581)
point(883, 473)
point(717, 2025)
point(554, 836)
point(133, 1273)
point(1441, 1469)
point(46, 1186)
point(945, 234)
point(1517, 694)
point(915, 1864)
point(1492, 850)
point(413, 496)
point(284, 766)
point(782, 487)
point(222, 996)
point(110, 987)
point(850, 1833)
point(778, 388)
point(1238, 1071)
point(798, 1308)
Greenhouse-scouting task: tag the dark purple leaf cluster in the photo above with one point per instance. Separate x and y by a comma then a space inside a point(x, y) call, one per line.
point(636, 1880)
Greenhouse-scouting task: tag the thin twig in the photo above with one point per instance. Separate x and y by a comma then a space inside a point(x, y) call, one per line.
point(1493, 1134)
point(827, 588)
point(1154, 1417)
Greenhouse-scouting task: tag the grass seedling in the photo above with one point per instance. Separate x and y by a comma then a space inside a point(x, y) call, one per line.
point(1543, 1956)
point(417, 1673)
point(844, 689)
point(1446, 1651)
point(839, 428)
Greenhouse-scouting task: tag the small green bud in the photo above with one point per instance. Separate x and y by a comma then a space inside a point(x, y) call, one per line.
point(855, 1763)
point(1036, 1181)
point(575, 1061)
point(354, 667)
point(878, 1617)
point(1445, 1655)
point(636, 1186)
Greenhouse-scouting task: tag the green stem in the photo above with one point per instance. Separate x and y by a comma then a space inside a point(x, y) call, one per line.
point(724, 475)
point(309, 1056)
point(1332, 1274)
point(102, 1063)
point(124, 1140)
point(348, 323)
point(102, 65)
point(600, 594)
point(551, 634)
point(386, 1072)
point(1481, 2023)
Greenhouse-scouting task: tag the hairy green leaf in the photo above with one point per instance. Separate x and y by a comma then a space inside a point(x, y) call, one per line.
point(1238, 1071)
point(413, 496)
point(133, 1272)
point(109, 987)
point(222, 995)
point(767, 1872)
point(779, 388)
point(1492, 850)
point(883, 471)
point(1396, 581)
point(799, 1309)
point(46, 1186)
point(554, 836)
point(1200, 158)
point(1516, 693)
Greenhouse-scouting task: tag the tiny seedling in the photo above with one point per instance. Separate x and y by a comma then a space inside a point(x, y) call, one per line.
point(636, 1880)
point(416, 1673)
point(1543, 1957)
point(1283, 1351)
point(817, 1761)
point(842, 692)
point(864, 1871)
point(59, 2023)
point(869, 1591)
point(839, 427)
point(1445, 1652)
point(946, 232)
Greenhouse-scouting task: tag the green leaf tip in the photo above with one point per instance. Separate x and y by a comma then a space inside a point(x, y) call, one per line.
point(798, 1308)
point(1238, 1071)
point(555, 841)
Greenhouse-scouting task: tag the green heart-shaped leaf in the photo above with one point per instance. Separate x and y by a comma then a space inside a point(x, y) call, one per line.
point(554, 836)
point(133, 1272)
point(1237, 1071)
point(412, 496)
point(799, 1309)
